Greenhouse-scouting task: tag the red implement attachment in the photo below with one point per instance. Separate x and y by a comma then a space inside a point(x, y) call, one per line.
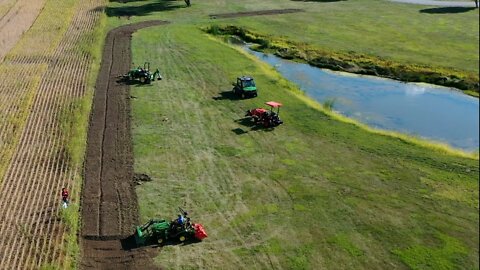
point(200, 233)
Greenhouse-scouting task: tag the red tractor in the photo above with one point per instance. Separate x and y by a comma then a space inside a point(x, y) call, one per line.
point(264, 117)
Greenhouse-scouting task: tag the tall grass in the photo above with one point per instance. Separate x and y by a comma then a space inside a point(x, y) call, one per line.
point(328, 104)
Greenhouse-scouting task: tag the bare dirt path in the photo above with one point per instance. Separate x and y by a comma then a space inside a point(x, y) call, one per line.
point(16, 21)
point(255, 13)
point(109, 202)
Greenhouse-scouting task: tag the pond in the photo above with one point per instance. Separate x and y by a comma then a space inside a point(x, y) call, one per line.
point(429, 111)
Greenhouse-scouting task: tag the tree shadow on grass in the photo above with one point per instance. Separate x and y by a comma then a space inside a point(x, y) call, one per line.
point(143, 10)
point(446, 10)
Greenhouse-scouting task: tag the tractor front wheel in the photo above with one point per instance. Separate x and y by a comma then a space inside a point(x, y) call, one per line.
point(182, 238)
point(160, 241)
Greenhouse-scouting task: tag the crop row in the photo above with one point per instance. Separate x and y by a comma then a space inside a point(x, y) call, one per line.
point(42, 84)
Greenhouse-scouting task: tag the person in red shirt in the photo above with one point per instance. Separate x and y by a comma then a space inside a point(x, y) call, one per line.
point(65, 197)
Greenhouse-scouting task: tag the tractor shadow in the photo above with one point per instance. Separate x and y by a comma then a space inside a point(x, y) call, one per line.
point(248, 122)
point(133, 82)
point(143, 10)
point(129, 243)
point(446, 10)
point(239, 131)
point(229, 95)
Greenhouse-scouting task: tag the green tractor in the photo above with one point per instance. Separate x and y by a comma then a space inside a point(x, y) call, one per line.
point(143, 75)
point(159, 231)
point(245, 87)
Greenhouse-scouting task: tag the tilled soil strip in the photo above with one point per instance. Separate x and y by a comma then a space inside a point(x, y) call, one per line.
point(255, 13)
point(109, 202)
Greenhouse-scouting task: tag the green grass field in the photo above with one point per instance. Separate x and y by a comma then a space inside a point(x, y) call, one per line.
point(400, 32)
point(315, 193)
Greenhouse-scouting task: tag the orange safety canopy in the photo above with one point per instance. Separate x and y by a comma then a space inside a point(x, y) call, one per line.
point(274, 104)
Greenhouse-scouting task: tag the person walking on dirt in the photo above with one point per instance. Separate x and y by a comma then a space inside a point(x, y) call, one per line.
point(65, 197)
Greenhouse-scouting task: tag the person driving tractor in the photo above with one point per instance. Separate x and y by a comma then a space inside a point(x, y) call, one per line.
point(180, 220)
point(177, 223)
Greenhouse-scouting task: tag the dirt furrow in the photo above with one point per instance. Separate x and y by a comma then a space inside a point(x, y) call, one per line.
point(109, 204)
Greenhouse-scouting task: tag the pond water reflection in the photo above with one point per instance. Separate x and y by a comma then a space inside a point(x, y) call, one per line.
point(429, 111)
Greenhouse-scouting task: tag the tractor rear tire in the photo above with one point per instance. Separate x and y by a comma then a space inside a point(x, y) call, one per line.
point(142, 79)
point(182, 238)
point(160, 241)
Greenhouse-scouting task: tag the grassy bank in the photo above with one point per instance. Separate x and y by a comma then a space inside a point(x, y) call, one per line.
point(353, 62)
point(313, 193)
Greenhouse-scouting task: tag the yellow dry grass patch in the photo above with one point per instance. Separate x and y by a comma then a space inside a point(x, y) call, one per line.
point(47, 31)
point(5, 6)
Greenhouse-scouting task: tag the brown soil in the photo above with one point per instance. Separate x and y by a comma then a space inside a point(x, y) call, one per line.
point(109, 202)
point(16, 22)
point(255, 13)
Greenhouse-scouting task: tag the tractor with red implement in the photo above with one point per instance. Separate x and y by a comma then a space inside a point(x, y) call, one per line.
point(160, 231)
point(266, 117)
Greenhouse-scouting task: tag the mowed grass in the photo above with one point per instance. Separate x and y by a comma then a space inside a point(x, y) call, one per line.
point(394, 31)
point(315, 193)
